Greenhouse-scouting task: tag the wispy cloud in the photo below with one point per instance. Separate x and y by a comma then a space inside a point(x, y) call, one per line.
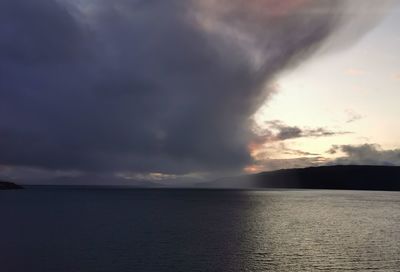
point(279, 131)
point(280, 149)
point(353, 116)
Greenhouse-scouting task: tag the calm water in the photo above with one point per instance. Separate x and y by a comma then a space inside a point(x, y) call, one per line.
point(187, 230)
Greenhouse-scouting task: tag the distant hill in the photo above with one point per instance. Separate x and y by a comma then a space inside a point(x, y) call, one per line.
point(350, 177)
point(4, 185)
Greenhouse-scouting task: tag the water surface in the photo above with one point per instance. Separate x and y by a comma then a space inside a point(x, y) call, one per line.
point(198, 230)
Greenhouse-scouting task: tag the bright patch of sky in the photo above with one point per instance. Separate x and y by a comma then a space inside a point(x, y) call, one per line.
point(356, 89)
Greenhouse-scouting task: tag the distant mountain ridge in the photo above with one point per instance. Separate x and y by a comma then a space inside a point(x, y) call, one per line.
point(349, 177)
point(5, 185)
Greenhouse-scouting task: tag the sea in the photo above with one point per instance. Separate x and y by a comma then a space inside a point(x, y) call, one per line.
point(121, 230)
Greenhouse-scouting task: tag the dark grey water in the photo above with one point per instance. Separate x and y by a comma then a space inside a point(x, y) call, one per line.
point(199, 230)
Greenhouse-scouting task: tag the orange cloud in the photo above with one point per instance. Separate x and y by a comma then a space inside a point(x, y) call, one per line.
point(253, 168)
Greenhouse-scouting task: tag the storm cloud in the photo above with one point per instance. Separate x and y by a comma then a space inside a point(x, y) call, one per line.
point(146, 86)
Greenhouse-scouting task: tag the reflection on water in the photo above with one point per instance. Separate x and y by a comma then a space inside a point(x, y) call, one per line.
point(199, 230)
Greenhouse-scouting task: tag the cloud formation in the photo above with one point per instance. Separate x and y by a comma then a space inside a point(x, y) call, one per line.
point(146, 86)
point(279, 131)
point(365, 154)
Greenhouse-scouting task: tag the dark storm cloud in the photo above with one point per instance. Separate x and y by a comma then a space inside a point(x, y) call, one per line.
point(366, 154)
point(144, 86)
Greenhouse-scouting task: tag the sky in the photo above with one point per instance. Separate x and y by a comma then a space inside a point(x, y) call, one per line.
point(353, 92)
point(134, 91)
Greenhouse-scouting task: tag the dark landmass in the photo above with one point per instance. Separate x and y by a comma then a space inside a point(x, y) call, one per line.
point(349, 177)
point(4, 185)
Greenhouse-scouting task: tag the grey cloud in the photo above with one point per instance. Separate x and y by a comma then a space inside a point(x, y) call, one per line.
point(279, 131)
point(366, 154)
point(289, 151)
point(144, 86)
